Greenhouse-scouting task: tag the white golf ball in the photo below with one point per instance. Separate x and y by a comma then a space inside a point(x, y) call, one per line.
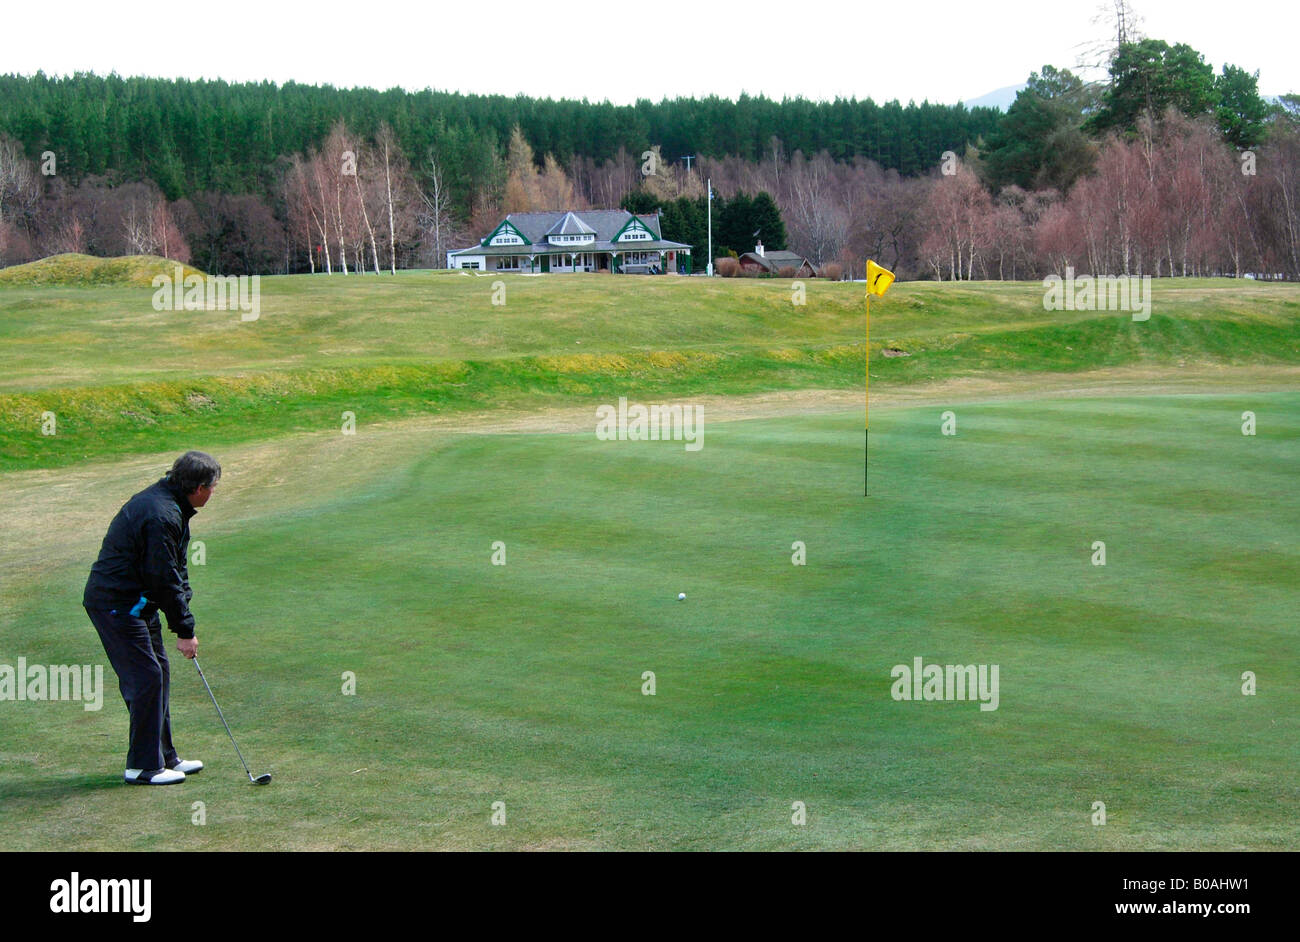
point(681, 596)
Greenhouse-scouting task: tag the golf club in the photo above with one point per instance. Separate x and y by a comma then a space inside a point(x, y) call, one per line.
point(265, 777)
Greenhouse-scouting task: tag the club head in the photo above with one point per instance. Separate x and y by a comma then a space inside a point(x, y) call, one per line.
point(263, 779)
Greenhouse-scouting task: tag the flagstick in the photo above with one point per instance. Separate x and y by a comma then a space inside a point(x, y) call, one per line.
point(866, 395)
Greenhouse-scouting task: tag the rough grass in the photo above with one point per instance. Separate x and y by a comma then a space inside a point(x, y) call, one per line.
point(64, 336)
point(118, 376)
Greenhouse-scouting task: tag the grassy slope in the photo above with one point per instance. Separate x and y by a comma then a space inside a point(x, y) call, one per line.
point(522, 683)
point(121, 377)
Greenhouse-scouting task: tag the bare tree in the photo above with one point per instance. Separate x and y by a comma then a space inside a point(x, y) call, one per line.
point(1122, 25)
point(435, 218)
point(341, 162)
point(389, 148)
point(19, 189)
point(614, 179)
point(819, 224)
point(297, 203)
point(1280, 190)
point(69, 236)
point(137, 231)
point(958, 212)
point(364, 164)
point(166, 235)
point(320, 208)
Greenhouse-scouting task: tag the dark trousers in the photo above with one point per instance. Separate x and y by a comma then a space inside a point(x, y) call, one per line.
point(135, 649)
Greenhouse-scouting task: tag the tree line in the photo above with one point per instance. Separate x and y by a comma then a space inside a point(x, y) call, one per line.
point(1167, 168)
point(189, 136)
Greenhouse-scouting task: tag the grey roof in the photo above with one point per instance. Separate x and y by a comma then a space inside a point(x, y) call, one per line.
point(774, 261)
point(570, 225)
point(605, 223)
point(544, 249)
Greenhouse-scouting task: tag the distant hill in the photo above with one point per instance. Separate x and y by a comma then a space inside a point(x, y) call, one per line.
point(1001, 98)
point(74, 269)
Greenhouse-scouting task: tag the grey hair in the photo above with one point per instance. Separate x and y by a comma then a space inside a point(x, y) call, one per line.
point(193, 470)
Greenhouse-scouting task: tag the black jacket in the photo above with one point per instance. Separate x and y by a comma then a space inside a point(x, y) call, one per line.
point(142, 564)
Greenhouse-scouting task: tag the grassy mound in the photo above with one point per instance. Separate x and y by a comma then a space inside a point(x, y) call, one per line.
point(74, 269)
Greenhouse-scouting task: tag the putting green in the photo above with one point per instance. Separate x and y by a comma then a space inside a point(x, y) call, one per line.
point(523, 683)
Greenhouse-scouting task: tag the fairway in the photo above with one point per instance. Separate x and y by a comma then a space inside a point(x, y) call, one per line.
point(523, 683)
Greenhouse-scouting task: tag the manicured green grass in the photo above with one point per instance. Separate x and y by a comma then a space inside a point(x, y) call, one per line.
point(522, 683)
point(119, 376)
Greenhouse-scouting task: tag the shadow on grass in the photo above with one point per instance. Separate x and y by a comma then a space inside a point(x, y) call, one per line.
point(33, 787)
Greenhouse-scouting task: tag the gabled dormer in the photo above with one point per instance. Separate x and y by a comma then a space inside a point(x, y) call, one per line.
point(506, 234)
point(570, 230)
point(634, 230)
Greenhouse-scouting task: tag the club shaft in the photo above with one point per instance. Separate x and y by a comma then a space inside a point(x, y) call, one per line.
point(207, 687)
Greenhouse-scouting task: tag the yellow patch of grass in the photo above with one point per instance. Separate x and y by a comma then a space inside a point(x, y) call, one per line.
point(667, 360)
point(585, 363)
point(786, 355)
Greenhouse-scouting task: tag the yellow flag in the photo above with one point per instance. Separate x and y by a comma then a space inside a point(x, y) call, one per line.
point(878, 279)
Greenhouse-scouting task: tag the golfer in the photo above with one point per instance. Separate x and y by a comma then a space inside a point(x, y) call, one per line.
point(141, 570)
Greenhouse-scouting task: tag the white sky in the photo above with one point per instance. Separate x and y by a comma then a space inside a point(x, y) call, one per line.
point(943, 50)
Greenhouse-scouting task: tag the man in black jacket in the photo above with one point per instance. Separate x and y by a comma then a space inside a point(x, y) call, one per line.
point(142, 570)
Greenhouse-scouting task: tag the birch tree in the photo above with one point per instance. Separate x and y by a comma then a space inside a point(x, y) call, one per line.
point(19, 189)
point(387, 145)
point(435, 217)
point(365, 214)
point(320, 208)
point(340, 163)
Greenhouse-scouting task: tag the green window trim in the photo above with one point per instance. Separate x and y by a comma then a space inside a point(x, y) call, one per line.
point(505, 224)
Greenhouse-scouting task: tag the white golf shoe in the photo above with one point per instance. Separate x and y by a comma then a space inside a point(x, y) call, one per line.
point(154, 777)
point(188, 766)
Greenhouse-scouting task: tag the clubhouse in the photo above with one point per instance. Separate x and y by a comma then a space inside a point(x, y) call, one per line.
point(596, 240)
